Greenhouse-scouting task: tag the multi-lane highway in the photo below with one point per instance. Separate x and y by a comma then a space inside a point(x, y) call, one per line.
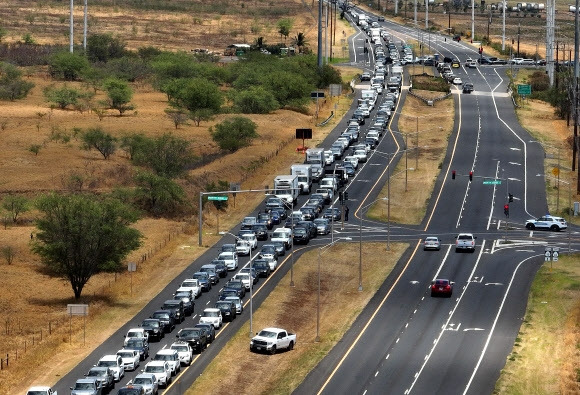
point(405, 341)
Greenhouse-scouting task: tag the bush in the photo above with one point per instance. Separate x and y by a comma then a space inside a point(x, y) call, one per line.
point(235, 133)
point(255, 100)
point(104, 47)
point(119, 94)
point(64, 96)
point(158, 195)
point(12, 86)
point(67, 66)
point(539, 81)
point(103, 142)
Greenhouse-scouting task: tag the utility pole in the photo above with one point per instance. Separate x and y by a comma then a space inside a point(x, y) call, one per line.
point(550, 40)
point(472, 20)
point(503, 26)
point(576, 75)
point(396, 7)
point(415, 17)
point(426, 14)
point(488, 25)
point(319, 34)
point(85, 28)
point(71, 41)
point(518, 55)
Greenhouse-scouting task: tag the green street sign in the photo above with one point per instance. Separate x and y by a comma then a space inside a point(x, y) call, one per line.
point(492, 182)
point(524, 89)
point(217, 198)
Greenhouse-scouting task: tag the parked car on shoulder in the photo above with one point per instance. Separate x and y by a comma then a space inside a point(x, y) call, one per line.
point(272, 340)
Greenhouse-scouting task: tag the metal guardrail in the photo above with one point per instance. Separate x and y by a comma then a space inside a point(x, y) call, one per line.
point(326, 120)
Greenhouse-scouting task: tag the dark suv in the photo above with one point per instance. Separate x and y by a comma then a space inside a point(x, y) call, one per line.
point(188, 301)
point(228, 309)
point(220, 267)
point(176, 306)
point(154, 328)
point(196, 337)
point(261, 231)
point(167, 319)
point(301, 235)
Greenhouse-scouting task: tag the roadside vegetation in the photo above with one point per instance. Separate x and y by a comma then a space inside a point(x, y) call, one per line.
point(294, 309)
point(546, 357)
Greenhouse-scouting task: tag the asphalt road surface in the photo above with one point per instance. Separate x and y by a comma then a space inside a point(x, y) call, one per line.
point(405, 341)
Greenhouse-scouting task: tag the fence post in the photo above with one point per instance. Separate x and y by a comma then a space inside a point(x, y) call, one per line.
point(49, 328)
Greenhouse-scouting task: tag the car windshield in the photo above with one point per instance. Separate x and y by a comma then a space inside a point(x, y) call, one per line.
point(155, 369)
point(268, 334)
point(189, 332)
point(135, 343)
point(464, 237)
point(84, 386)
point(129, 391)
point(135, 334)
point(151, 324)
point(211, 314)
point(236, 300)
point(161, 316)
point(125, 354)
point(179, 348)
point(260, 265)
point(222, 305)
point(107, 363)
point(441, 282)
point(96, 373)
point(164, 357)
point(142, 381)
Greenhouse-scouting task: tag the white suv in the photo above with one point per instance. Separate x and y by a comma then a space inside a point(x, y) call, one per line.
point(547, 222)
point(211, 316)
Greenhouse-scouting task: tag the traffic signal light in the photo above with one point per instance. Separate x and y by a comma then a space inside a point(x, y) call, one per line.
point(345, 195)
point(480, 50)
point(506, 210)
point(471, 176)
point(510, 197)
point(340, 197)
point(453, 174)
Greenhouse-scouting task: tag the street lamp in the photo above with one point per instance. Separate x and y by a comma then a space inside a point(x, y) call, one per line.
point(251, 258)
point(360, 286)
point(321, 250)
point(569, 204)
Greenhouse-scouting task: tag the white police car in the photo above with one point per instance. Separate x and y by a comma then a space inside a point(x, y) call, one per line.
point(555, 224)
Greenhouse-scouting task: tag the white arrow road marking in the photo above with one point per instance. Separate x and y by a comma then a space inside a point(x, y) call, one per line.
point(473, 329)
point(453, 329)
point(475, 279)
point(514, 179)
point(375, 164)
point(515, 149)
point(414, 282)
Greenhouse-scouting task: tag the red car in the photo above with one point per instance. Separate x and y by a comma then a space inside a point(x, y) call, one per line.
point(441, 287)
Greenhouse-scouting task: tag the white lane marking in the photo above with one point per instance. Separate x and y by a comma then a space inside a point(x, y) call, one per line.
point(193, 318)
point(387, 357)
point(449, 318)
point(473, 329)
point(493, 283)
point(515, 163)
point(525, 251)
point(414, 282)
point(499, 310)
point(207, 303)
point(515, 149)
point(377, 373)
point(498, 224)
point(442, 262)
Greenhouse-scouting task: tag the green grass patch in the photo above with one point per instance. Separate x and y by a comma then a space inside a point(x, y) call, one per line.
point(430, 83)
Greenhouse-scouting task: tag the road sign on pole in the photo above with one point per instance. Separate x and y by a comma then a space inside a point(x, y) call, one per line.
point(524, 89)
point(548, 254)
point(220, 198)
point(555, 253)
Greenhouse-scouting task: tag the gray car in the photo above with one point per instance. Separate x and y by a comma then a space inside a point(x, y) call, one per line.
point(211, 272)
point(322, 226)
point(86, 387)
point(148, 382)
point(103, 375)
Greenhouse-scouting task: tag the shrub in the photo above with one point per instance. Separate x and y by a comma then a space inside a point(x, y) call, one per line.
point(67, 66)
point(64, 96)
point(12, 86)
point(103, 142)
point(255, 100)
point(235, 133)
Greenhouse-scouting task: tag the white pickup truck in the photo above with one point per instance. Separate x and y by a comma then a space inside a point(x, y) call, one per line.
point(283, 235)
point(273, 339)
point(465, 241)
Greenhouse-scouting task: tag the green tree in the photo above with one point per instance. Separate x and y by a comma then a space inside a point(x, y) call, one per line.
point(64, 96)
point(284, 27)
point(119, 95)
point(103, 47)
point(79, 236)
point(159, 195)
point(103, 142)
point(168, 155)
point(288, 87)
point(136, 145)
point(15, 205)
point(300, 41)
point(255, 100)
point(196, 94)
point(67, 66)
point(178, 117)
point(235, 133)
point(12, 86)
point(201, 115)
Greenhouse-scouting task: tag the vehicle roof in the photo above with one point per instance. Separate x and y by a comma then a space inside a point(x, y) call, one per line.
point(109, 356)
point(147, 375)
point(157, 362)
point(39, 388)
point(211, 309)
point(85, 380)
point(273, 329)
point(166, 351)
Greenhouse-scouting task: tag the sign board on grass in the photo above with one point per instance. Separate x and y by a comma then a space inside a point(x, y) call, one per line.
point(524, 89)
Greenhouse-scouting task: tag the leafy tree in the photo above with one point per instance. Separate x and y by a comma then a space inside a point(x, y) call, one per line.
point(64, 96)
point(288, 87)
point(15, 205)
point(168, 155)
point(103, 47)
point(235, 133)
point(201, 115)
point(300, 41)
point(158, 195)
point(35, 149)
point(178, 117)
point(136, 144)
point(119, 95)
point(67, 66)
point(103, 142)
point(255, 100)
point(12, 86)
point(127, 68)
point(328, 75)
point(80, 236)
point(93, 78)
point(284, 27)
point(196, 94)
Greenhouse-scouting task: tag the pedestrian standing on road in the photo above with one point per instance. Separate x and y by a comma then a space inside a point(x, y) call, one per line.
point(346, 213)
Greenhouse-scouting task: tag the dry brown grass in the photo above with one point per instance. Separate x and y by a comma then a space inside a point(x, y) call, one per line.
point(295, 310)
point(169, 246)
point(408, 203)
point(546, 356)
point(539, 119)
